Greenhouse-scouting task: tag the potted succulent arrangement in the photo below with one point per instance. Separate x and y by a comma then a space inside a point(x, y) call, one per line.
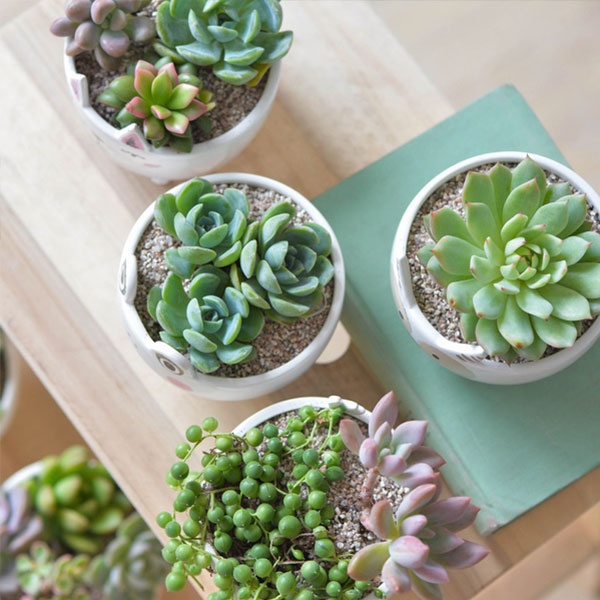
point(9, 378)
point(173, 88)
point(231, 285)
point(496, 267)
point(314, 498)
point(67, 531)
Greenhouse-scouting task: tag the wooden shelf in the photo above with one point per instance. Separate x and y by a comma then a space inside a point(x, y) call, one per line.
point(349, 94)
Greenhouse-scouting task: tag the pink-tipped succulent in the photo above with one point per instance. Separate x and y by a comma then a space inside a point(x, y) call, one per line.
point(397, 453)
point(419, 543)
point(162, 100)
point(105, 27)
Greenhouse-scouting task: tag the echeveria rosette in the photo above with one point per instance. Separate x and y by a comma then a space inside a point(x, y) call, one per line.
point(163, 100)
point(210, 226)
point(396, 453)
point(212, 320)
point(78, 501)
point(238, 39)
point(420, 543)
point(283, 267)
point(106, 27)
point(522, 267)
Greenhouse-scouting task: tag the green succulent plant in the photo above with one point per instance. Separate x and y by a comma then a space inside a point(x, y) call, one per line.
point(106, 27)
point(43, 575)
point(522, 267)
point(19, 528)
point(283, 267)
point(164, 100)
point(79, 503)
point(210, 226)
point(131, 567)
point(228, 272)
point(239, 39)
point(213, 320)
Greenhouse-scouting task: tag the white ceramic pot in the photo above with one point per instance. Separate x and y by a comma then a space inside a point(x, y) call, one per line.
point(10, 387)
point(352, 408)
point(173, 365)
point(470, 360)
point(129, 148)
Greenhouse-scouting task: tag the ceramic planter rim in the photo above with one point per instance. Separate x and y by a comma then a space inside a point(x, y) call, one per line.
point(273, 76)
point(231, 386)
point(10, 388)
point(472, 356)
point(351, 408)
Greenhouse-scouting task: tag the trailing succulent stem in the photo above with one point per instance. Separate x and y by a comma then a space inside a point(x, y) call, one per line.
point(522, 266)
point(238, 39)
point(259, 511)
point(105, 27)
point(228, 273)
point(165, 100)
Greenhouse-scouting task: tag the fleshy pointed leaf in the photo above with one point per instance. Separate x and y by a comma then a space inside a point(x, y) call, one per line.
point(368, 453)
point(481, 222)
point(447, 222)
point(432, 572)
point(525, 199)
point(415, 499)
point(381, 521)
point(488, 302)
point(460, 294)
point(409, 551)
point(568, 304)
point(490, 339)
point(466, 555)
point(368, 562)
point(554, 215)
point(515, 325)
point(454, 254)
point(555, 332)
point(385, 411)
point(532, 303)
point(351, 435)
point(584, 278)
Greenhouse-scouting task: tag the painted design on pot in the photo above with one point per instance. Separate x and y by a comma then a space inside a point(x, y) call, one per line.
point(522, 267)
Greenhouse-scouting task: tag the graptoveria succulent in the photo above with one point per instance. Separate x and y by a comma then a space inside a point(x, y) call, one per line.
point(239, 39)
point(420, 543)
point(210, 226)
point(212, 320)
point(283, 267)
point(105, 27)
point(522, 267)
point(396, 453)
point(162, 100)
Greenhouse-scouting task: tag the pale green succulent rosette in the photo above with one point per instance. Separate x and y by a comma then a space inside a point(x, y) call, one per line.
point(283, 267)
point(522, 266)
point(209, 226)
point(213, 320)
point(238, 39)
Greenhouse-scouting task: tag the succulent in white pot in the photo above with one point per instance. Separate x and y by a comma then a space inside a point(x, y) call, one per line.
point(67, 531)
point(231, 285)
point(495, 267)
point(216, 67)
point(317, 497)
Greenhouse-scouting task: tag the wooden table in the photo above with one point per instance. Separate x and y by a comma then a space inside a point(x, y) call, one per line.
point(349, 94)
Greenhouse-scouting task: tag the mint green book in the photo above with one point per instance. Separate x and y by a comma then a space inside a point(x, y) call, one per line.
point(508, 447)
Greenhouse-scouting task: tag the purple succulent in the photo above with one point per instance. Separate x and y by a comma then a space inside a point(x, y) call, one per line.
point(420, 543)
point(397, 453)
